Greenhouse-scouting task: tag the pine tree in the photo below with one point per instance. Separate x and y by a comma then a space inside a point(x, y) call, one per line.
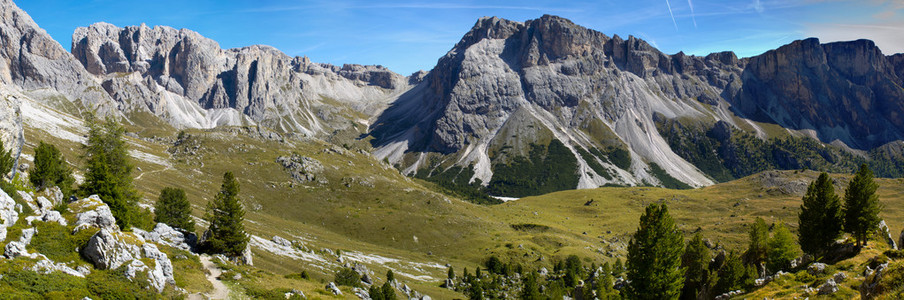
point(173, 209)
point(225, 215)
point(696, 260)
point(50, 169)
point(618, 268)
point(820, 217)
point(531, 288)
point(375, 292)
point(732, 275)
point(388, 291)
point(390, 277)
point(759, 236)
point(6, 161)
point(861, 206)
point(654, 257)
point(605, 289)
point(781, 249)
point(109, 171)
point(451, 273)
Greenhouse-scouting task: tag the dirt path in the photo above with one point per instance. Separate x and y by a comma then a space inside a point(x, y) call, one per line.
point(220, 291)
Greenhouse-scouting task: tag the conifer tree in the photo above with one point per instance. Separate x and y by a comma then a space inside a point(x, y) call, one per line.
point(173, 209)
point(861, 206)
point(759, 236)
point(50, 169)
point(605, 289)
point(109, 170)
point(375, 292)
point(531, 288)
point(733, 275)
point(451, 273)
point(781, 249)
point(390, 277)
point(388, 291)
point(820, 217)
point(618, 268)
point(225, 215)
point(696, 260)
point(654, 257)
point(6, 161)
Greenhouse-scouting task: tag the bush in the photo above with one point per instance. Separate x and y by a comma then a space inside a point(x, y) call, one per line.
point(299, 276)
point(25, 282)
point(113, 285)
point(57, 243)
point(347, 277)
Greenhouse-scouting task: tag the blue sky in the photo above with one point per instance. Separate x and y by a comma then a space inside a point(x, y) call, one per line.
point(407, 36)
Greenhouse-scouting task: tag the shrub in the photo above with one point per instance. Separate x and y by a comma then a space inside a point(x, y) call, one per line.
point(347, 277)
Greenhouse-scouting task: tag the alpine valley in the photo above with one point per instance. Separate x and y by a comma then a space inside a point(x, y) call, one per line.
point(359, 167)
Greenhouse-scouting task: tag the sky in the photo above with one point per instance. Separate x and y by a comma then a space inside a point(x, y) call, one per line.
point(407, 36)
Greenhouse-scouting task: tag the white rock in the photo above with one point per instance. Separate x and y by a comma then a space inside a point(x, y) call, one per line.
point(166, 235)
point(281, 241)
point(107, 251)
point(828, 288)
point(8, 213)
point(333, 288)
point(816, 268)
point(94, 213)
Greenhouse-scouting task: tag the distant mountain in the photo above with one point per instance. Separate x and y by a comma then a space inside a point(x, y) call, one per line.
point(512, 98)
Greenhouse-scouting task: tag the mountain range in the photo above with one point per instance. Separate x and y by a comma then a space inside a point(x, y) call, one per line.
point(513, 109)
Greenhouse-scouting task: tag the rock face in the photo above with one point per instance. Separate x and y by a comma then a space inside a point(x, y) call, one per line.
point(191, 82)
point(507, 85)
point(31, 60)
point(846, 91)
point(11, 131)
point(885, 234)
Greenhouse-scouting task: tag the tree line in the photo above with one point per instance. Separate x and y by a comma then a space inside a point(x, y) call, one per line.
point(108, 171)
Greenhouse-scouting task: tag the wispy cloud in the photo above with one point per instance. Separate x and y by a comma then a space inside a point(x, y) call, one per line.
point(758, 6)
point(671, 14)
point(693, 16)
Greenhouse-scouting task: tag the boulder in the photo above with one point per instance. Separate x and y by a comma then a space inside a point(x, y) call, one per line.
point(17, 248)
point(295, 292)
point(281, 241)
point(43, 204)
point(816, 269)
point(839, 277)
point(449, 284)
point(8, 213)
point(56, 195)
point(92, 212)
point(108, 250)
point(48, 216)
point(828, 288)
point(331, 287)
point(247, 257)
point(165, 235)
point(885, 235)
point(871, 286)
point(361, 293)
point(47, 266)
point(29, 200)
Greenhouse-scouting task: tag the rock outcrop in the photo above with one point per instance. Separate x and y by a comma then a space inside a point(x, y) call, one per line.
point(885, 234)
point(8, 213)
point(92, 212)
point(165, 235)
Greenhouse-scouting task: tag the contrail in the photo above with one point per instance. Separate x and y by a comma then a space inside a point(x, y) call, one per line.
point(693, 16)
point(670, 14)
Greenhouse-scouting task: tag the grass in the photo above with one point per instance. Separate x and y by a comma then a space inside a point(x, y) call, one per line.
point(368, 207)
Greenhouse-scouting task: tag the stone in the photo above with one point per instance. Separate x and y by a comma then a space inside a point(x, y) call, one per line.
point(870, 287)
point(162, 272)
point(331, 287)
point(165, 235)
point(885, 235)
point(54, 216)
point(56, 195)
point(816, 268)
point(281, 241)
point(247, 257)
point(43, 204)
point(828, 288)
point(449, 284)
point(107, 250)
point(301, 168)
point(47, 266)
point(92, 212)
point(361, 293)
point(295, 292)
point(17, 248)
point(839, 277)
